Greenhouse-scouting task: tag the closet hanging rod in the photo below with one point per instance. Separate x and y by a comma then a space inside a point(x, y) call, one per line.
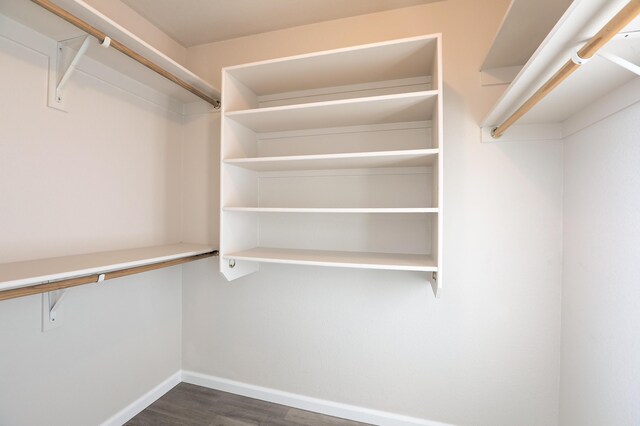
point(611, 28)
point(89, 29)
point(97, 277)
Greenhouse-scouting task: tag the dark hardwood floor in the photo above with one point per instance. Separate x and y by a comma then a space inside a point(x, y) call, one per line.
point(191, 405)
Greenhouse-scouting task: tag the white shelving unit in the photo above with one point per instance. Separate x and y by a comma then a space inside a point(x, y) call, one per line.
point(335, 159)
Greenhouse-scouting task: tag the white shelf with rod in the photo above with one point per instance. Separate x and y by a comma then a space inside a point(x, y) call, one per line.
point(556, 94)
point(335, 159)
point(63, 21)
point(43, 275)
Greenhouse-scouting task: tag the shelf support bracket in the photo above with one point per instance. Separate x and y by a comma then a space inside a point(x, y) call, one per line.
point(55, 300)
point(71, 67)
point(630, 66)
point(51, 312)
point(435, 286)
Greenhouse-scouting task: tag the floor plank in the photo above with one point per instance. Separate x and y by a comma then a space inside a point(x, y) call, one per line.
point(191, 405)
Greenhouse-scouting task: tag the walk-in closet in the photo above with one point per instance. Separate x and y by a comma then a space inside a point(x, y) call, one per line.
point(319, 212)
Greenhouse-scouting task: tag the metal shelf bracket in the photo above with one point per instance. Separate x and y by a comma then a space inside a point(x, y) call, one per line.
point(630, 66)
point(70, 67)
point(51, 312)
point(63, 63)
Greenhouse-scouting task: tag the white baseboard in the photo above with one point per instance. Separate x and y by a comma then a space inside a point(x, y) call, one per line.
point(144, 401)
point(302, 402)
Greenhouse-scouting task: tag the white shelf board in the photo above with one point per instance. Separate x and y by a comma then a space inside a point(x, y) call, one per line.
point(30, 272)
point(397, 108)
point(358, 160)
point(411, 57)
point(45, 22)
point(332, 210)
point(344, 259)
point(587, 85)
point(514, 42)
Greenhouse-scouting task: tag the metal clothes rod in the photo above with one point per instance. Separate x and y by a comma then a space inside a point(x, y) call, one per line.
point(613, 27)
point(84, 26)
point(94, 278)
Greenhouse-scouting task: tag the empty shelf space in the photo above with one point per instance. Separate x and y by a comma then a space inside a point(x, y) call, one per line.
point(403, 158)
point(344, 259)
point(413, 57)
point(404, 107)
point(30, 272)
point(331, 210)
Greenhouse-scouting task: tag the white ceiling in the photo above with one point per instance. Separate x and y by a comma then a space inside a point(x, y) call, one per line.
point(193, 22)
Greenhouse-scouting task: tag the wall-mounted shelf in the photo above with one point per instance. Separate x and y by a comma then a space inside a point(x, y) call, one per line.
point(35, 17)
point(379, 210)
point(574, 104)
point(403, 158)
point(335, 159)
point(20, 275)
point(344, 259)
point(396, 108)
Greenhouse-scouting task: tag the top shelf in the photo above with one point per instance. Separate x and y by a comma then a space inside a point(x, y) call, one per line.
point(387, 68)
point(398, 59)
point(35, 17)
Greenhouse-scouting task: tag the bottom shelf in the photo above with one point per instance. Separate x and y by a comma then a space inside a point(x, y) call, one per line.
point(344, 259)
point(27, 273)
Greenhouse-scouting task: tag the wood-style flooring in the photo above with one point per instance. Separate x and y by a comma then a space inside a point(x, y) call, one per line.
point(191, 405)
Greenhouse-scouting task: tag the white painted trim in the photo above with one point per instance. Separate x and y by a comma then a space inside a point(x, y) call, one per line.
point(425, 124)
point(422, 170)
point(614, 102)
point(302, 402)
point(619, 99)
point(131, 410)
point(499, 76)
point(525, 132)
point(418, 82)
point(198, 108)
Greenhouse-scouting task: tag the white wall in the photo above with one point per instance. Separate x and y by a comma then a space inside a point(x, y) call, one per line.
point(105, 175)
point(140, 26)
point(600, 315)
point(488, 352)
